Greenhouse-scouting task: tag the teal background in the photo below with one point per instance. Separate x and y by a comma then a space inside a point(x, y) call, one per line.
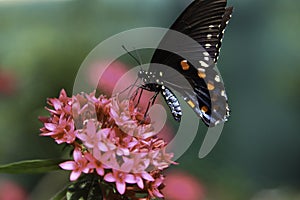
point(44, 43)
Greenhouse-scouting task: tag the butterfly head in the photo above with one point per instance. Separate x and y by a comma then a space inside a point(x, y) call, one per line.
point(146, 77)
point(141, 74)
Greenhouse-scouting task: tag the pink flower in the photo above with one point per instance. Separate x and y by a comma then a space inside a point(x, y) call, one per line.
point(61, 129)
point(109, 158)
point(139, 177)
point(128, 120)
point(139, 162)
point(83, 108)
point(155, 186)
point(62, 105)
point(109, 76)
point(182, 186)
point(60, 126)
point(102, 107)
point(118, 142)
point(120, 178)
point(12, 191)
point(89, 136)
point(77, 166)
point(95, 164)
point(8, 82)
point(96, 139)
point(161, 159)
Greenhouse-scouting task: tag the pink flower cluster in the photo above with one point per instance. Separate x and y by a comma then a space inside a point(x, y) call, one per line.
point(110, 137)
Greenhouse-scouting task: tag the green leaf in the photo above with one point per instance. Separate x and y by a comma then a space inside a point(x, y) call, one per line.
point(61, 195)
point(86, 188)
point(31, 166)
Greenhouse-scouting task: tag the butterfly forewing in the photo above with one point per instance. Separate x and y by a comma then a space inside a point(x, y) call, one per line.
point(204, 21)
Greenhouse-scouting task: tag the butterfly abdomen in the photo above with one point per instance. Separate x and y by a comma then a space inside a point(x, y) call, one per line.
point(172, 102)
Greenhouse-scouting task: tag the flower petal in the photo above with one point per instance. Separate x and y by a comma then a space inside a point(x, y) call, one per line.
point(104, 132)
point(147, 176)
point(68, 165)
point(109, 178)
point(82, 137)
point(47, 134)
point(127, 165)
point(50, 126)
point(100, 171)
point(121, 186)
point(129, 178)
point(56, 104)
point(140, 182)
point(74, 175)
point(157, 193)
point(91, 129)
point(102, 146)
point(77, 155)
point(86, 170)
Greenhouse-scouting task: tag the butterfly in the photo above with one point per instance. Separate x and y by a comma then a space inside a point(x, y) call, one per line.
point(204, 21)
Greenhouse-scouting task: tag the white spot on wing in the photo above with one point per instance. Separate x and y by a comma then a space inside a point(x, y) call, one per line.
point(205, 53)
point(207, 45)
point(203, 64)
point(223, 93)
point(201, 70)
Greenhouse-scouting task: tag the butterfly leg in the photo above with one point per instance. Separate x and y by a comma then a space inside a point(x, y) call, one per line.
point(150, 103)
point(133, 96)
point(139, 97)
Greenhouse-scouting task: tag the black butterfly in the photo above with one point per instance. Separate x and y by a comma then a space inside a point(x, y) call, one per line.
point(205, 22)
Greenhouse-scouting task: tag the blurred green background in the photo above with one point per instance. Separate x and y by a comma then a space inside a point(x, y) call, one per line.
point(43, 43)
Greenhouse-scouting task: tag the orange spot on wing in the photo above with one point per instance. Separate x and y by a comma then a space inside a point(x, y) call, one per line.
point(184, 64)
point(210, 86)
point(204, 109)
point(201, 74)
point(191, 104)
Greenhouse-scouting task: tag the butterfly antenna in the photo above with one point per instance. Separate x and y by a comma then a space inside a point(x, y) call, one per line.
point(130, 86)
point(138, 56)
point(137, 61)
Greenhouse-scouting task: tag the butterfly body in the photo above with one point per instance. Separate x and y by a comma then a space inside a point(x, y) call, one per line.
point(204, 21)
point(154, 84)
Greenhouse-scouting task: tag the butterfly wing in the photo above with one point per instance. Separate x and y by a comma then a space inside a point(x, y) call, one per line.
point(205, 22)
